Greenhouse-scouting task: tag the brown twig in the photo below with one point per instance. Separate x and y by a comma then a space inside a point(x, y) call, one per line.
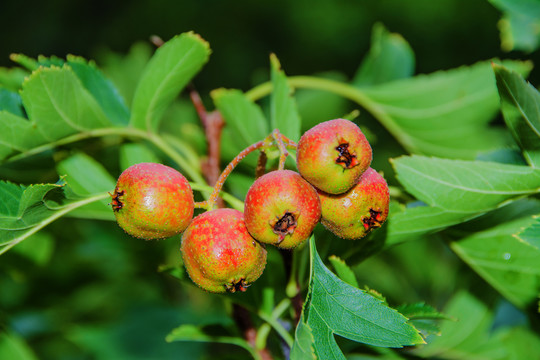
point(213, 125)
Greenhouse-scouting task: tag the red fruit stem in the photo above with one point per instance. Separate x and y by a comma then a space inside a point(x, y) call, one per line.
point(266, 143)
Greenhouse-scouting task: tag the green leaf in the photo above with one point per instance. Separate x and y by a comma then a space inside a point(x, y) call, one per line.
point(519, 24)
point(283, 111)
point(421, 310)
point(444, 114)
point(519, 103)
point(25, 210)
point(302, 348)
point(101, 88)
point(11, 102)
point(465, 186)
point(336, 307)
point(531, 234)
point(135, 153)
point(14, 347)
point(87, 177)
point(510, 265)
point(17, 134)
point(390, 57)
point(59, 105)
point(125, 70)
point(12, 78)
point(468, 338)
point(188, 332)
point(171, 68)
point(245, 118)
point(39, 248)
point(343, 270)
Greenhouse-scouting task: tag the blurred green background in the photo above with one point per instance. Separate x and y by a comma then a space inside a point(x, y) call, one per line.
point(83, 294)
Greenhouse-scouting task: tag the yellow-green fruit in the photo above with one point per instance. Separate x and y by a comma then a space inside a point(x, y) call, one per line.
point(219, 254)
point(281, 209)
point(333, 155)
point(152, 201)
point(360, 210)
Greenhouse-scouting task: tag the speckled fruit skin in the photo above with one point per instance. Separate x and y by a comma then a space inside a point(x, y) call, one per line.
point(281, 209)
point(333, 155)
point(219, 254)
point(361, 209)
point(152, 201)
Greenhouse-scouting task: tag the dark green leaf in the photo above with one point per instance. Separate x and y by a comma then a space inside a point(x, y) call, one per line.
point(283, 112)
point(171, 68)
point(101, 88)
point(421, 310)
point(444, 114)
point(11, 102)
point(390, 58)
point(336, 307)
point(519, 103)
point(38, 248)
point(465, 186)
point(245, 118)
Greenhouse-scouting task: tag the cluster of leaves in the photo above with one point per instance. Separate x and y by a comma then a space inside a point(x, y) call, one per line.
point(467, 181)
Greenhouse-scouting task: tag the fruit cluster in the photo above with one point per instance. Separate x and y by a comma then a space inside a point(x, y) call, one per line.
point(224, 249)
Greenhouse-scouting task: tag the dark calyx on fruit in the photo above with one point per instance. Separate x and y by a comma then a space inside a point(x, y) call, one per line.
point(345, 158)
point(240, 285)
point(116, 202)
point(373, 220)
point(285, 225)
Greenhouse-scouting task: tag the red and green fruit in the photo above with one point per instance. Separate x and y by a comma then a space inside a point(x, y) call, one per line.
point(281, 209)
point(361, 209)
point(219, 254)
point(333, 155)
point(152, 201)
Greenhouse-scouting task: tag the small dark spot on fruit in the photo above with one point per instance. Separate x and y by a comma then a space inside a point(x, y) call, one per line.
point(345, 158)
point(285, 225)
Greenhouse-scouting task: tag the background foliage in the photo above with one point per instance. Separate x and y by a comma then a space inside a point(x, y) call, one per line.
point(82, 289)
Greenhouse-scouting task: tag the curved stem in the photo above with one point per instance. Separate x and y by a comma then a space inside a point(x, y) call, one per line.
point(210, 203)
point(345, 90)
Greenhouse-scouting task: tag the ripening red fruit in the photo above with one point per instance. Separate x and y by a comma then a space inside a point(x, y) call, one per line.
point(219, 254)
point(333, 155)
point(361, 209)
point(152, 201)
point(281, 208)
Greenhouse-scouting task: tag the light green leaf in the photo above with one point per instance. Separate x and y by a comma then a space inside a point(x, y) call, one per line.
point(468, 338)
point(12, 78)
point(245, 118)
point(519, 25)
point(443, 114)
point(302, 348)
point(87, 177)
point(14, 347)
point(39, 248)
point(390, 57)
point(171, 68)
point(531, 234)
point(511, 266)
point(188, 332)
point(101, 88)
point(135, 153)
point(343, 270)
point(519, 103)
point(59, 105)
point(465, 186)
point(336, 307)
point(283, 111)
point(17, 134)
